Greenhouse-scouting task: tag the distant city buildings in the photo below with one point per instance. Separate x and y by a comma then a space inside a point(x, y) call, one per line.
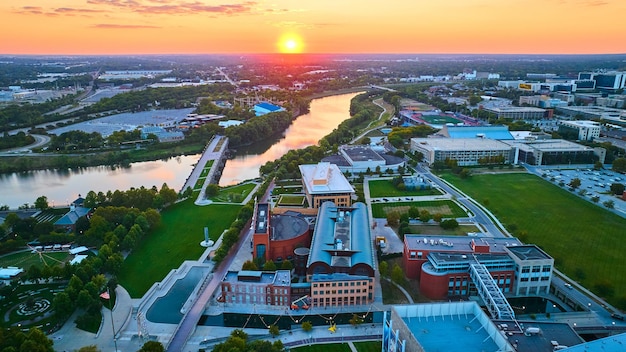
point(132, 74)
point(585, 130)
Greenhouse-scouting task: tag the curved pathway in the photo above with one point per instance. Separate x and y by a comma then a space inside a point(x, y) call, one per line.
point(378, 103)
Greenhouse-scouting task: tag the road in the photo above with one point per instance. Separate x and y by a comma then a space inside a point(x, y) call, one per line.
point(40, 140)
point(379, 103)
point(226, 77)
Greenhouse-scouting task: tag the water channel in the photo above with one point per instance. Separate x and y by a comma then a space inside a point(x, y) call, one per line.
point(63, 186)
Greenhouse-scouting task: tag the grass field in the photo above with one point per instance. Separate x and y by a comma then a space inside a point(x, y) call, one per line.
point(25, 260)
point(445, 207)
point(291, 200)
point(368, 346)
point(239, 192)
point(439, 120)
point(392, 294)
point(586, 240)
point(384, 188)
point(176, 240)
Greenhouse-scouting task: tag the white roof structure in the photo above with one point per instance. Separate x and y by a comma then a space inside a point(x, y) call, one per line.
point(9, 272)
point(454, 144)
point(78, 250)
point(324, 178)
point(77, 259)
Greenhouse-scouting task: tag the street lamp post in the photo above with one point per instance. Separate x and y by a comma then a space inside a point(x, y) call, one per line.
point(112, 324)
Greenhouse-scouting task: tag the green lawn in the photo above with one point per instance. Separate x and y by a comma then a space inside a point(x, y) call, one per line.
point(586, 240)
point(25, 260)
point(384, 188)
point(176, 240)
point(368, 346)
point(291, 200)
point(199, 182)
point(234, 194)
point(445, 207)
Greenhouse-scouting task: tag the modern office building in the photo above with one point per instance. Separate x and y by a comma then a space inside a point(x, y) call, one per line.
point(609, 80)
point(466, 151)
point(257, 287)
point(617, 116)
point(445, 265)
point(341, 264)
point(519, 113)
point(355, 159)
point(555, 152)
point(585, 130)
point(533, 270)
point(324, 182)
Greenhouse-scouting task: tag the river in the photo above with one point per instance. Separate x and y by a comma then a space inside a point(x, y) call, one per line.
point(63, 186)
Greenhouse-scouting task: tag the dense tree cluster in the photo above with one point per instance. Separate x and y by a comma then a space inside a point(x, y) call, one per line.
point(167, 98)
point(238, 342)
point(258, 128)
point(19, 139)
point(287, 165)
point(141, 198)
point(28, 115)
point(619, 165)
point(33, 341)
point(230, 238)
point(362, 110)
point(399, 135)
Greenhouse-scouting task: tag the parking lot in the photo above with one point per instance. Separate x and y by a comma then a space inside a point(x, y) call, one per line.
point(593, 183)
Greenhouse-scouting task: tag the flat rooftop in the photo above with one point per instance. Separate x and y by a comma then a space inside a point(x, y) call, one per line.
point(440, 326)
point(277, 278)
point(462, 244)
point(324, 178)
point(362, 153)
point(549, 336)
point(528, 252)
point(515, 109)
point(550, 145)
point(465, 144)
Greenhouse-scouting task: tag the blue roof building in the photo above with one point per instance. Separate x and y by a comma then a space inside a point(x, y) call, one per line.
point(263, 108)
point(341, 261)
point(489, 132)
point(68, 221)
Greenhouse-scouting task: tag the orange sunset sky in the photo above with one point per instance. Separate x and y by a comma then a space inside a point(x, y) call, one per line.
point(314, 26)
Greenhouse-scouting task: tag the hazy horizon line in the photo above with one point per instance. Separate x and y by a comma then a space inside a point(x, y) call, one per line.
point(313, 54)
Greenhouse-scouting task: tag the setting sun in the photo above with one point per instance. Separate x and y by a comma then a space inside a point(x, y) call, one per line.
point(290, 44)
